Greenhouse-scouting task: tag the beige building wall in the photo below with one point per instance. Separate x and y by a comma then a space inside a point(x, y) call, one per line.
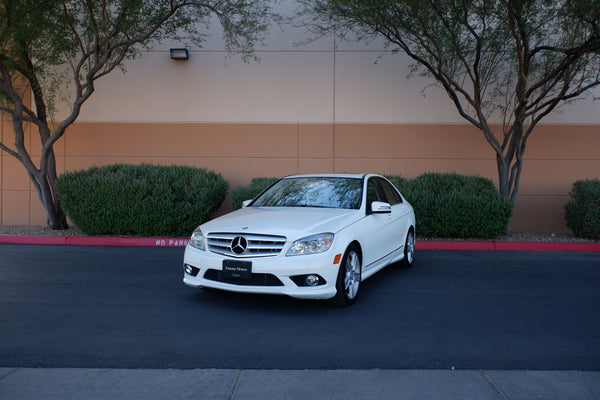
point(241, 151)
point(319, 107)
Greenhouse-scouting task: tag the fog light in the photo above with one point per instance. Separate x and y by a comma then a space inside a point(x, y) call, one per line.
point(312, 280)
point(193, 271)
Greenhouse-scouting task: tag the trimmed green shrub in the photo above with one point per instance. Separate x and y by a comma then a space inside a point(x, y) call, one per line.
point(582, 212)
point(449, 205)
point(146, 200)
point(238, 195)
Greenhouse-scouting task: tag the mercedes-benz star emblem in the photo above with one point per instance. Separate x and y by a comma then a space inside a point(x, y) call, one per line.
point(239, 244)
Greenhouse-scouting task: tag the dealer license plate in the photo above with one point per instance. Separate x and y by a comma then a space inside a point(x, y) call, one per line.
point(237, 269)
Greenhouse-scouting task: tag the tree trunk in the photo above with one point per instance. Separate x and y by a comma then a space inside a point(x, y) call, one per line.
point(55, 216)
point(509, 159)
point(503, 179)
point(43, 180)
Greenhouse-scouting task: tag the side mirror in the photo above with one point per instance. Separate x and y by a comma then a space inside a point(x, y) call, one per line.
point(379, 207)
point(245, 203)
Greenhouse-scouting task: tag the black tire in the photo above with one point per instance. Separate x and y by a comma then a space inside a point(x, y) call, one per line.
point(409, 250)
point(348, 279)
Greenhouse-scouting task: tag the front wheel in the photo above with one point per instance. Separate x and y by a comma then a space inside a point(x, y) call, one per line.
point(348, 279)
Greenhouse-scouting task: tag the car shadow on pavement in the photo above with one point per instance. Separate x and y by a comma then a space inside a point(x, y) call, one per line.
point(225, 300)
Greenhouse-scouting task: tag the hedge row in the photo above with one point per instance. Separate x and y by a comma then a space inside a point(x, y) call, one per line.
point(238, 195)
point(449, 205)
point(152, 200)
point(582, 212)
point(446, 205)
point(146, 200)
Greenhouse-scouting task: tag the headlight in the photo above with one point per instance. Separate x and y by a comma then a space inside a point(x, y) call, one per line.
point(198, 240)
point(311, 244)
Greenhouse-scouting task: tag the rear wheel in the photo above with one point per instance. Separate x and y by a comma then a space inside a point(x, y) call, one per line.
point(348, 279)
point(409, 250)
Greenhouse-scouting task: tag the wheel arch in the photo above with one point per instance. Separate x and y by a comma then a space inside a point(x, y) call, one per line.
point(356, 243)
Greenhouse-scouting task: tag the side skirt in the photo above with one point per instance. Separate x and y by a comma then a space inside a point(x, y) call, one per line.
point(383, 262)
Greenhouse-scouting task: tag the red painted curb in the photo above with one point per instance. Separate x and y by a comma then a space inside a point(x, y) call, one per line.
point(182, 242)
point(126, 241)
point(450, 245)
point(548, 246)
point(16, 239)
point(509, 246)
point(96, 240)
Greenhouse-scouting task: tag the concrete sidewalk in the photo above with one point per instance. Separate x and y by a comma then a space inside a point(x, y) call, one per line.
point(114, 384)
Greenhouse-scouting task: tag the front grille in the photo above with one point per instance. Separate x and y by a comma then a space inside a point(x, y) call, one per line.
point(255, 245)
point(255, 279)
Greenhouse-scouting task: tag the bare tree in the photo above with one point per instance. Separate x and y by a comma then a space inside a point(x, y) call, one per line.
point(509, 60)
point(48, 44)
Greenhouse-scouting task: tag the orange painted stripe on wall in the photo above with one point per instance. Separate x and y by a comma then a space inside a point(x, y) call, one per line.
point(557, 156)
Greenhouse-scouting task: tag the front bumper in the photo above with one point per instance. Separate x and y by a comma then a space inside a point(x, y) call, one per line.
point(270, 275)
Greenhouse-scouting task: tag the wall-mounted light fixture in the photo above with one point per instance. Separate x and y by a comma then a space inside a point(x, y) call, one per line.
point(179, 54)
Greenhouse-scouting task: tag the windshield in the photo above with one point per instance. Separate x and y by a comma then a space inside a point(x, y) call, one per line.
point(329, 192)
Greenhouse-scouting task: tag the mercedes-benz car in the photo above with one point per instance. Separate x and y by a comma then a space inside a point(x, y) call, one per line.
point(305, 236)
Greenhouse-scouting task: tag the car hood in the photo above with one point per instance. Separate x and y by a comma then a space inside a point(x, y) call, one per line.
point(292, 222)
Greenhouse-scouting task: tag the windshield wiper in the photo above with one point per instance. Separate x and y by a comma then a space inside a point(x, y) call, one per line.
point(312, 206)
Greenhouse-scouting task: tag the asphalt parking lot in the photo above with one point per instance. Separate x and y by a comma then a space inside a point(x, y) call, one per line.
point(476, 314)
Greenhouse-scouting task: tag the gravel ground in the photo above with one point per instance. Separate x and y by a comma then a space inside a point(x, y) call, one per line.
point(525, 236)
point(38, 230)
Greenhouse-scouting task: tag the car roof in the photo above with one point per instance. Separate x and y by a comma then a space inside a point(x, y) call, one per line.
point(356, 176)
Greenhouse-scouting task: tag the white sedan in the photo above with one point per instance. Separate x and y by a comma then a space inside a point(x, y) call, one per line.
point(305, 236)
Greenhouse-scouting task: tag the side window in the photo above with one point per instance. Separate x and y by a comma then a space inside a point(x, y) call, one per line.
point(391, 195)
point(373, 193)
